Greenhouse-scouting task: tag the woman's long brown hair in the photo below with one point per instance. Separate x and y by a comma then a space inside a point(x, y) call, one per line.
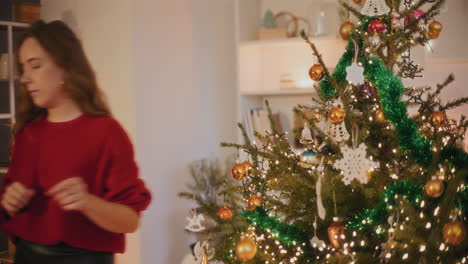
point(65, 49)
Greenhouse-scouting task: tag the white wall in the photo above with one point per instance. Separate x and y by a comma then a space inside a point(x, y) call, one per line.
point(168, 70)
point(184, 86)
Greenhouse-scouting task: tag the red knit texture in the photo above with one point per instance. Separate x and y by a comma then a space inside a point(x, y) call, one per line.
point(98, 150)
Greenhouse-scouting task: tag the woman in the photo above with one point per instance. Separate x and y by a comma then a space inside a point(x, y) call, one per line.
point(72, 189)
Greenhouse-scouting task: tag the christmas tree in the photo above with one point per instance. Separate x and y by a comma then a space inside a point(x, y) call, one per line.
point(375, 184)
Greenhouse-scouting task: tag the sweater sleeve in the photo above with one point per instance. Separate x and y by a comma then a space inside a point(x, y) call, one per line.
point(121, 182)
point(12, 171)
point(18, 150)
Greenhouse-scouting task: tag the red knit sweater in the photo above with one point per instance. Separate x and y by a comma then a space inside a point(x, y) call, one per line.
point(94, 148)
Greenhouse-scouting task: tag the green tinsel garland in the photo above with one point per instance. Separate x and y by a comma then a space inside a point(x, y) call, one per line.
point(462, 199)
point(412, 192)
point(370, 217)
point(287, 234)
point(391, 89)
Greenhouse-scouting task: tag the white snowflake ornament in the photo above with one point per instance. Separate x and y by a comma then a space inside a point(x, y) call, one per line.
point(355, 164)
point(374, 8)
point(355, 74)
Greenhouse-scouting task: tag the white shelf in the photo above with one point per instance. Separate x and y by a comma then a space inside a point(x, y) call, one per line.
point(263, 65)
point(3, 170)
point(5, 116)
point(288, 41)
point(298, 91)
point(14, 24)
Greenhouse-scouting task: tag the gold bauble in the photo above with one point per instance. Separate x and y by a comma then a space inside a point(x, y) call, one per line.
point(316, 117)
point(246, 249)
point(454, 233)
point(238, 171)
point(316, 72)
point(225, 213)
point(248, 167)
point(438, 119)
point(379, 116)
point(336, 233)
point(346, 29)
point(336, 115)
point(435, 27)
point(432, 35)
point(253, 202)
point(434, 188)
point(368, 176)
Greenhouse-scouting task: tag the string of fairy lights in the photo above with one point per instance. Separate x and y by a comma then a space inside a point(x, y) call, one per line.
point(402, 205)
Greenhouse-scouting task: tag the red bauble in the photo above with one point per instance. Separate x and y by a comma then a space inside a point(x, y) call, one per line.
point(376, 26)
point(417, 14)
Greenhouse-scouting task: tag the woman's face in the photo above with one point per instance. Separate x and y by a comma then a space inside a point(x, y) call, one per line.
point(42, 78)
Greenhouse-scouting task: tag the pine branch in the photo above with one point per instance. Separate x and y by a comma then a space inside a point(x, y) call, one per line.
point(270, 118)
point(396, 5)
point(441, 86)
point(352, 10)
point(437, 5)
point(320, 60)
point(186, 195)
point(245, 136)
point(455, 103)
point(431, 96)
point(406, 35)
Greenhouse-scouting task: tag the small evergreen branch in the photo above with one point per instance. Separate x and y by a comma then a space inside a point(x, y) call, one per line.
point(435, 6)
point(431, 12)
point(352, 10)
point(270, 118)
point(432, 96)
point(320, 60)
point(455, 103)
point(441, 86)
point(245, 136)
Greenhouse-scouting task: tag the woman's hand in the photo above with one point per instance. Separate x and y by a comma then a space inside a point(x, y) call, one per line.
point(16, 197)
point(70, 194)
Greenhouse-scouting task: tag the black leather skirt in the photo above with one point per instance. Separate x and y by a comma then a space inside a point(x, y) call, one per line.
point(32, 253)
